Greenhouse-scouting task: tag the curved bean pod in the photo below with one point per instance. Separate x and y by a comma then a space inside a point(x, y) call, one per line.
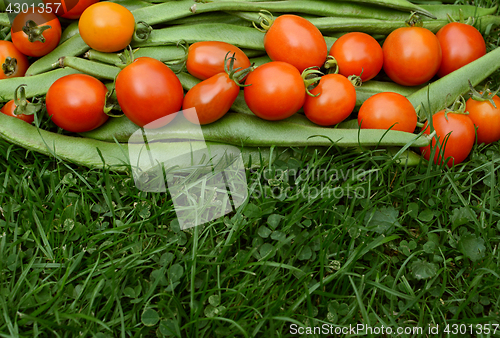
point(95, 69)
point(370, 88)
point(69, 31)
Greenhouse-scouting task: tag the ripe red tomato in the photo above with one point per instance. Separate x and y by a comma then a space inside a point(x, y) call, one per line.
point(412, 55)
point(458, 144)
point(206, 58)
point(460, 44)
point(8, 109)
point(295, 40)
point(276, 91)
point(386, 110)
point(13, 63)
point(107, 26)
point(76, 103)
point(336, 100)
point(147, 90)
point(69, 9)
point(486, 118)
point(356, 52)
point(34, 43)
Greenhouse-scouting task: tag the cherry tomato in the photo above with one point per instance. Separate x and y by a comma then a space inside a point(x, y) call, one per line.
point(68, 9)
point(486, 118)
point(295, 40)
point(76, 103)
point(8, 109)
point(386, 110)
point(107, 26)
point(460, 44)
point(336, 100)
point(147, 90)
point(276, 90)
point(9, 67)
point(356, 52)
point(36, 43)
point(206, 58)
point(412, 55)
point(458, 144)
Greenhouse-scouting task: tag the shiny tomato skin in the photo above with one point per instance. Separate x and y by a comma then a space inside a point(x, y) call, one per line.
point(412, 55)
point(206, 58)
point(147, 90)
point(211, 98)
point(356, 52)
point(297, 41)
point(336, 100)
point(107, 27)
point(460, 141)
point(41, 18)
point(486, 118)
point(387, 110)
point(275, 91)
point(8, 109)
point(460, 45)
point(7, 49)
point(76, 103)
point(69, 9)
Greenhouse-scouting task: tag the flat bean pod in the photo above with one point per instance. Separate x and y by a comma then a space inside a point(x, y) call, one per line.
point(132, 5)
point(212, 17)
point(69, 31)
point(95, 69)
point(441, 12)
point(370, 88)
point(401, 5)
point(164, 12)
point(161, 53)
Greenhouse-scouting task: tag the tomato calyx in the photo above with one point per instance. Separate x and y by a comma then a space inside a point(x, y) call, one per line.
point(470, 20)
point(331, 65)
point(485, 95)
point(126, 57)
point(35, 32)
point(231, 71)
point(181, 63)
point(9, 67)
point(356, 80)
point(266, 20)
point(142, 31)
point(311, 76)
point(414, 20)
point(458, 107)
point(23, 106)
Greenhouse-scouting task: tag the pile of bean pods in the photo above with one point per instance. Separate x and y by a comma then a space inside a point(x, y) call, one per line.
point(167, 31)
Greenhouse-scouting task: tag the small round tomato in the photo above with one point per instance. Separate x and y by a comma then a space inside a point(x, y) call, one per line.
point(148, 91)
point(206, 58)
point(455, 132)
point(295, 40)
point(412, 55)
point(36, 32)
point(335, 102)
point(275, 91)
point(486, 118)
point(13, 63)
point(8, 109)
point(460, 44)
point(107, 26)
point(68, 9)
point(76, 103)
point(358, 54)
point(388, 110)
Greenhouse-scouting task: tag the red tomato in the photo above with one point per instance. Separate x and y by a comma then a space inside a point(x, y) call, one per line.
point(211, 98)
point(147, 90)
point(36, 44)
point(276, 91)
point(386, 110)
point(336, 100)
point(206, 58)
point(76, 103)
point(8, 109)
point(9, 67)
point(412, 55)
point(69, 9)
point(486, 118)
point(458, 144)
point(295, 40)
point(356, 52)
point(460, 44)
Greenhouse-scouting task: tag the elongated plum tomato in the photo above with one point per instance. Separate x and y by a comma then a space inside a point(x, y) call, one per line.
point(148, 91)
point(358, 54)
point(295, 40)
point(76, 103)
point(275, 91)
point(107, 26)
point(13, 63)
point(335, 102)
point(412, 55)
point(486, 118)
point(388, 110)
point(206, 58)
point(8, 109)
point(460, 44)
point(455, 132)
point(42, 37)
point(68, 9)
